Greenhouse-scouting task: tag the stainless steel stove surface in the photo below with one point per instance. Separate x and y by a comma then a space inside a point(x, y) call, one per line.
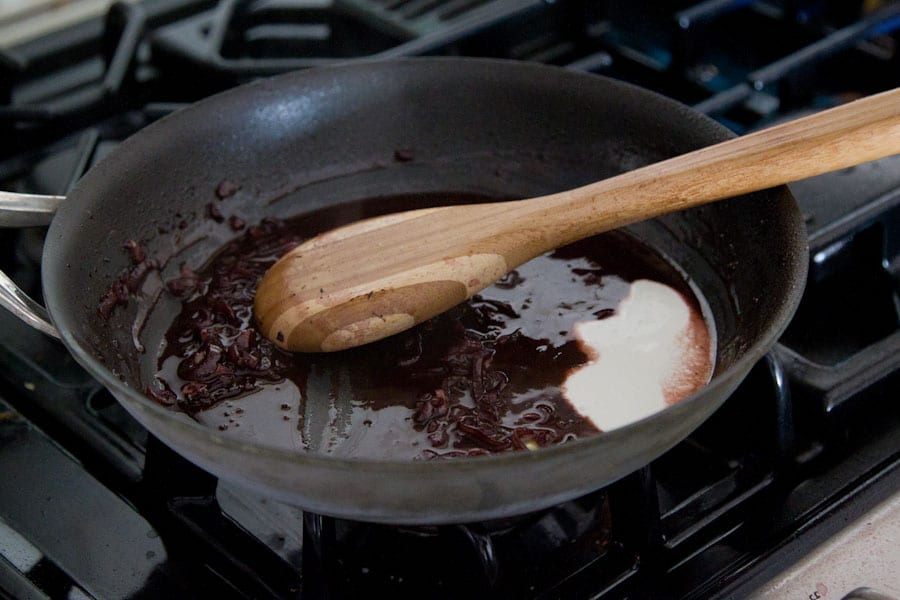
point(789, 491)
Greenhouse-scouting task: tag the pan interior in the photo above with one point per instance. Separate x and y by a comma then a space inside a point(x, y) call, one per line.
point(488, 376)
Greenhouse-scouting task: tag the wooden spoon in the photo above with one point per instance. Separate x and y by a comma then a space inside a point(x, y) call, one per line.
point(375, 278)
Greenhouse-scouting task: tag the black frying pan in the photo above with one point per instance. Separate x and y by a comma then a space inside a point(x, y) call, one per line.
point(315, 138)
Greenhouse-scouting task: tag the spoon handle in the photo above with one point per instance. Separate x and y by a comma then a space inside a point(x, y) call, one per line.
point(837, 138)
point(324, 296)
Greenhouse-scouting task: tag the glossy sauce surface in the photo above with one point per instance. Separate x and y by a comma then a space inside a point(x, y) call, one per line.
point(485, 377)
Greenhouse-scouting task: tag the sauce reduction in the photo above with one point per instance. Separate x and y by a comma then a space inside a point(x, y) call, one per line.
point(485, 377)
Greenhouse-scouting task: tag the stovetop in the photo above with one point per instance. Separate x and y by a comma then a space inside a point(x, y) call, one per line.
point(92, 506)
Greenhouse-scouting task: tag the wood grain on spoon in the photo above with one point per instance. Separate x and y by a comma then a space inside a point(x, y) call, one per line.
point(375, 278)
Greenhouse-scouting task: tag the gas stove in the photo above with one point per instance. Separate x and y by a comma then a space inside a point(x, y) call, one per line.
point(790, 490)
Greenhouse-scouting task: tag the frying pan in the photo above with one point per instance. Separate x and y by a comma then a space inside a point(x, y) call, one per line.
point(312, 139)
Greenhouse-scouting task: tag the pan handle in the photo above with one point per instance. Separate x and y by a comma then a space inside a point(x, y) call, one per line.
point(26, 210)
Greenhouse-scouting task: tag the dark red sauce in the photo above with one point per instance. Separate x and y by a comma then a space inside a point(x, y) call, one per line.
point(482, 378)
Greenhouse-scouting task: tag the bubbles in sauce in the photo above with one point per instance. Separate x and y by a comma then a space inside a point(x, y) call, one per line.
point(488, 376)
